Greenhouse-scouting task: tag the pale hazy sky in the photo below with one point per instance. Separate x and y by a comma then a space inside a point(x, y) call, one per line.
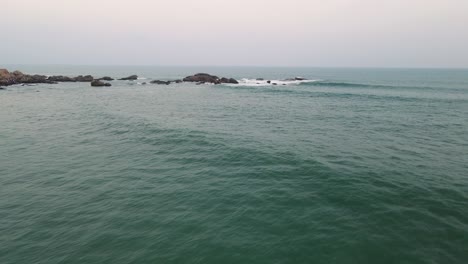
point(355, 33)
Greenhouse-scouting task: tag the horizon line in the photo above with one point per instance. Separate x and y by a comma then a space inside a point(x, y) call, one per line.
point(243, 66)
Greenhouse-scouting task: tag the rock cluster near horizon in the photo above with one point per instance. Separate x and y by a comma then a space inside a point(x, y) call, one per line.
point(11, 78)
point(207, 78)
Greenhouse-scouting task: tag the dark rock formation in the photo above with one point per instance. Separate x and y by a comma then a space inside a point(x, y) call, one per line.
point(97, 83)
point(230, 80)
point(17, 77)
point(207, 78)
point(105, 78)
point(260, 79)
point(202, 77)
point(81, 78)
point(161, 82)
point(130, 78)
point(61, 78)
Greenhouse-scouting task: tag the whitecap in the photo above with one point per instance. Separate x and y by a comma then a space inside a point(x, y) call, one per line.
point(255, 82)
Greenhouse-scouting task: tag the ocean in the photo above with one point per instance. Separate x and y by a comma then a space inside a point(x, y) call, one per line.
point(352, 166)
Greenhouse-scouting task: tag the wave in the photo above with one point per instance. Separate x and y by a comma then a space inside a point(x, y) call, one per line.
point(368, 85)
point(255, 82)
point(315, 82)
point(245, 82)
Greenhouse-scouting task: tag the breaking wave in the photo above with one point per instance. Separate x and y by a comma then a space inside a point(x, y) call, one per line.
point(255, 82)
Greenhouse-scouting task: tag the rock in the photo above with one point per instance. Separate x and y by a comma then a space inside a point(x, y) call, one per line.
point(178, 81)
point(6, 78)
point(105, 78)
point(86, 78)
point(17, 77)
point(207, 78)
point(202, 77)
point(161, 82)
point(4, 73)
point(130, 78)
point(97, 83)
point(260, 79)
point(61, 78)
point(144, 83)
point(268, 81)
point(275, 84)
point(230, 80)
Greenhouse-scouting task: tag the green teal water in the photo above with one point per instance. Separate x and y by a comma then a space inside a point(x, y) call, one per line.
point(361, 166)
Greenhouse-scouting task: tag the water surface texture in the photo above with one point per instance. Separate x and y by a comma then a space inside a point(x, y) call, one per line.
point(359, 166)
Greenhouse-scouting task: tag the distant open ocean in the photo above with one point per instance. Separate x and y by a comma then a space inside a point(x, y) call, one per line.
point(353, 166)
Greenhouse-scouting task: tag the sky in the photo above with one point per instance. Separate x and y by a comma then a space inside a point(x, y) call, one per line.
point(332, 33)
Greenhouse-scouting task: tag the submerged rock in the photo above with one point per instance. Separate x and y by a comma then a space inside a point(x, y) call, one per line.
point(105, 78)
point(97, 83)
point(129, 78)
point(161, 82)
point(296, 79)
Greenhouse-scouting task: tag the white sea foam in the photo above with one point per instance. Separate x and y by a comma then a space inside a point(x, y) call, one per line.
point(255, 82)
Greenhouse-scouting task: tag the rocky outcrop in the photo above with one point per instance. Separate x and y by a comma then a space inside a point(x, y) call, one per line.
point(61, 78)
point(230, 80)
point(161, 82)
point(129, 78)
point(207, 78)
point(86, 78)
point(97, 83)
point(79, 78)
point(165, 82)
point(17, 77)
point(202, 77)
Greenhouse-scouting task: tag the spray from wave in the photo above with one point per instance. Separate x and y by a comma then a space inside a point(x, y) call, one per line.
point(261, 82)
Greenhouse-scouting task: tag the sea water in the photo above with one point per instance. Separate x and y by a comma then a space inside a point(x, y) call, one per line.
point(352, 166)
